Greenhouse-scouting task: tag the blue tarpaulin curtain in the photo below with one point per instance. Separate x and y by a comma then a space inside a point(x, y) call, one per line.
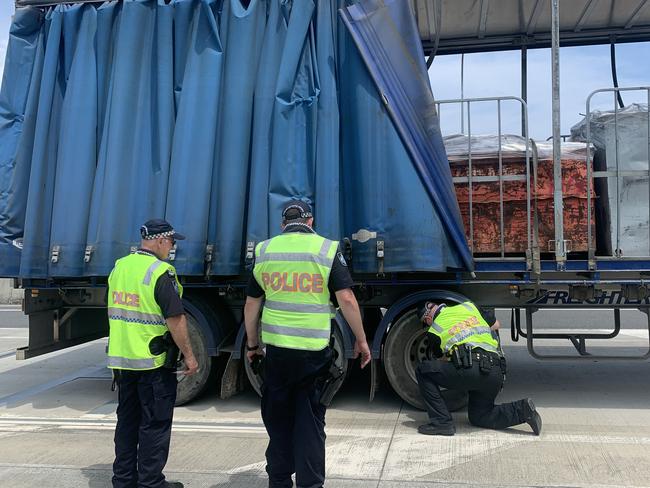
point(194, 146)
point(382, 194)
point(386, 35)
point(211, 114)
point(18, 104)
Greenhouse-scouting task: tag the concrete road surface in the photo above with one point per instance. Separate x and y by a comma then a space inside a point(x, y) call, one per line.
point(57, 416)
point(11, 316)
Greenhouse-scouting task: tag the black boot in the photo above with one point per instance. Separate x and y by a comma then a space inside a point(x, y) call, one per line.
point(173, 484)
point(430, 429)
point(531, 416)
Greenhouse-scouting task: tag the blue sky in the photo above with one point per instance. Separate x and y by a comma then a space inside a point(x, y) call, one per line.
point(6, 11)
point(582, 70)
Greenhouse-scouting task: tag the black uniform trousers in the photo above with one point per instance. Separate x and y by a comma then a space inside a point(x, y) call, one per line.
point(144, 425)
point(294, 417)
point(482, 387)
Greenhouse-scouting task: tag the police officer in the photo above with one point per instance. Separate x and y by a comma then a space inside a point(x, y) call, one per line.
point(296, 273)
point(144, 303)
point(469, 359)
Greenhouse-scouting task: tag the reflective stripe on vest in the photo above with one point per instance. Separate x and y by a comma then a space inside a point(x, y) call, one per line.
point(296, 331)
point(134, 316)
point(125, 363)
point(483, 345)
point(321, 258)
point(293, 270)
point(463, 324)
point(462, 335)
point(299, 307)
point(150, 270)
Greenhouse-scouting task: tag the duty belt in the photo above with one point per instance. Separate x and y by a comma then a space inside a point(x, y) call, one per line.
point(463, 356)
point(493, 357)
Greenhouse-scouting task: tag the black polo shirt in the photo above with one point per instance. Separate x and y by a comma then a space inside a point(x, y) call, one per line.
point(339, 278)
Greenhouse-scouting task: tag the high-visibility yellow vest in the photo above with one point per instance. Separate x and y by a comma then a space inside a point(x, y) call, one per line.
point(293, 270)
point(463, 324)
point(134, 317)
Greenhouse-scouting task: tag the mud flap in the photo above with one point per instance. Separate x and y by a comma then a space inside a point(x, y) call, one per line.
point(375, 378)
point(232, 381)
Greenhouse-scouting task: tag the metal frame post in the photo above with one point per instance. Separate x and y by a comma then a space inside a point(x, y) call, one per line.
point(524, 88)
point(462, 93)
point(560, 248)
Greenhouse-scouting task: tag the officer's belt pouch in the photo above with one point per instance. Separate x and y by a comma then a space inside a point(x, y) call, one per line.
point(331, 383)
point(257, 365)
point(502, 364)
point(455, 358)
point(157, 345)
point(173, 353)
point(461, 356)
point(115, 378)
point(485, 364)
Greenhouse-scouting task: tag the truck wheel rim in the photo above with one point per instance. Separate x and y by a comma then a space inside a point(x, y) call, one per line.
point(416, 350)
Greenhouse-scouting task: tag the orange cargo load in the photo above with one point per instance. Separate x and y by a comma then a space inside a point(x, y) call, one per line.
point(486, 209)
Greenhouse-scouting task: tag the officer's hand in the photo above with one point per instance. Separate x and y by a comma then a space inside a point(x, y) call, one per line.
point(191, 366)
point(361, 347)
point(251, 354)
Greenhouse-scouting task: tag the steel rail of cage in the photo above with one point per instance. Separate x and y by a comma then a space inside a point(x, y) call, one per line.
point(578, 340)
point(470, 179)
point(618, 173)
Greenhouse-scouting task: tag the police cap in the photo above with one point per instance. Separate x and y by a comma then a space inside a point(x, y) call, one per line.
point(296, 209)
point(155, 228)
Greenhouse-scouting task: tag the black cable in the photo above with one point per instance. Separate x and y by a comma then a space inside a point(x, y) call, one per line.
point(612, 57)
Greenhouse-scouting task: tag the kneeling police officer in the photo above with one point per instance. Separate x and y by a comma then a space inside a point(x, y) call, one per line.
point(469, 359)
point(144, 309)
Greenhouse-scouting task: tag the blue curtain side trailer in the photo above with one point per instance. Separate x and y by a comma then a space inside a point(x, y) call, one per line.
point(212, 114)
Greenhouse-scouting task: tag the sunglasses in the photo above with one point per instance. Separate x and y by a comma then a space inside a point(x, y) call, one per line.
point(170, 239)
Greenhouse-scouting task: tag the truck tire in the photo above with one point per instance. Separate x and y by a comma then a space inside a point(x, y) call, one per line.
point(190, 387)
point(256, 381)
point(405, 346)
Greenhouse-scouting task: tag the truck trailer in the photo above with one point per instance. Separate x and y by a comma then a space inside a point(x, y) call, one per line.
point(214, 113)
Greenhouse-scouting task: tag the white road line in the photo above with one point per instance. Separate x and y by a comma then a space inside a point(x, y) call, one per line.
point(109, 469)
point(22, 424)
point(32, 425)
point(44, 466)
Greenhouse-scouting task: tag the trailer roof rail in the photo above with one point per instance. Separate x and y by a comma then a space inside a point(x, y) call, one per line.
point(464, 26)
